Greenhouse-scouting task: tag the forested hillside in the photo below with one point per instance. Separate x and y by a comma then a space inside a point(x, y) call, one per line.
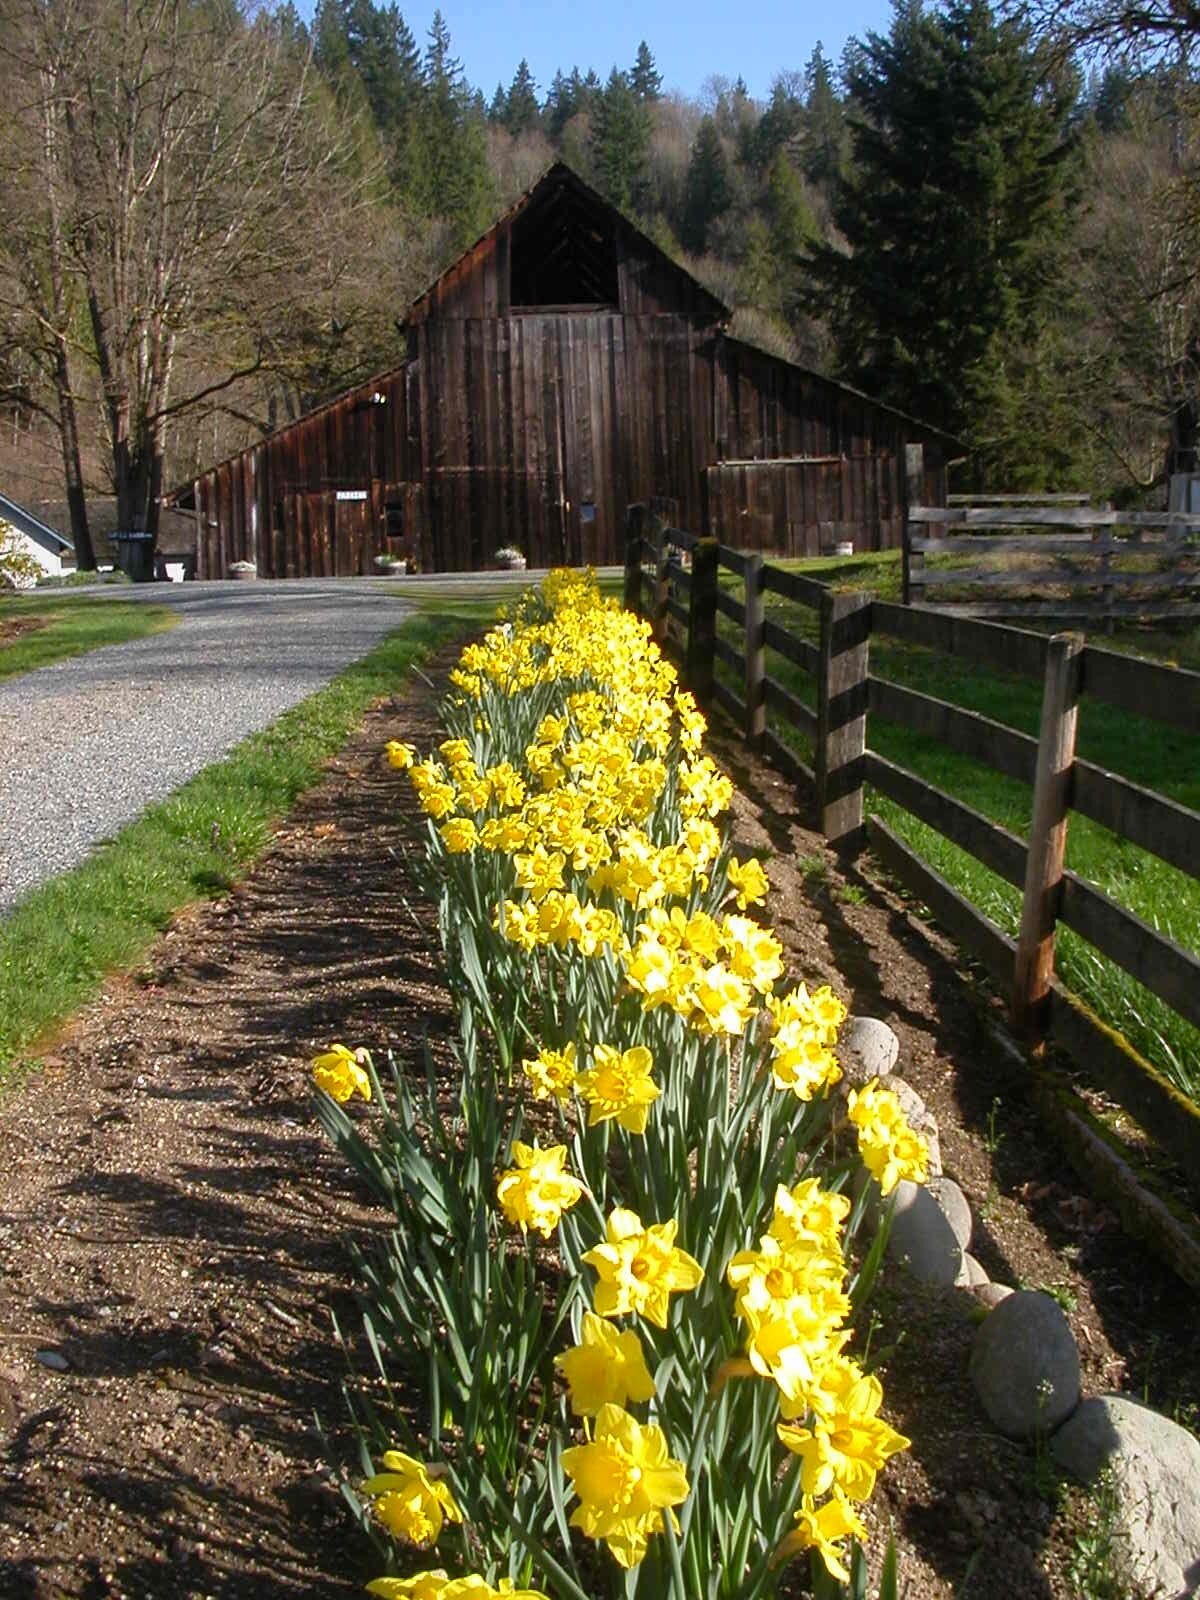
point(210, 220)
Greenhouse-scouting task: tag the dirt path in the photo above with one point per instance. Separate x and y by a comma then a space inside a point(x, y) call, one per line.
point(172, 1228)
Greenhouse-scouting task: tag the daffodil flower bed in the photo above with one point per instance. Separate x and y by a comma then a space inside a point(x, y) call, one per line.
point(626, 1249)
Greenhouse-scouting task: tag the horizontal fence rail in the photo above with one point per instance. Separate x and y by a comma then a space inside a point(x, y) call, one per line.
point(991, 559)
point(848, 696)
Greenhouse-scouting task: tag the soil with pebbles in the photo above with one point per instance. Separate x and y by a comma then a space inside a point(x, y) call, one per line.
point(173, 1227)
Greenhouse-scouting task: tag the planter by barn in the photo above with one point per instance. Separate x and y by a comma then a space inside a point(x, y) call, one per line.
point(560, 369)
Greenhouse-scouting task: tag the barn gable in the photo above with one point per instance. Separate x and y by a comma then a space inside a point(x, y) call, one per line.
point(563, 248)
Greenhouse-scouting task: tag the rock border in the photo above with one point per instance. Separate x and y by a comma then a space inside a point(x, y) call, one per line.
point(1025, 1365)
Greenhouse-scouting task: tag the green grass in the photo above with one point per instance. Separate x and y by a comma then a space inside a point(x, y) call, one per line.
point(58, 944)
point(74, 626)
point(1149, 753)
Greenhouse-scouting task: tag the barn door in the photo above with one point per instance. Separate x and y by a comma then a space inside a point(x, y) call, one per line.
point(353, 528)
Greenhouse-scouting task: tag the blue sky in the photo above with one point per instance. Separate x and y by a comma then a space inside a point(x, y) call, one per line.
point(690, 39)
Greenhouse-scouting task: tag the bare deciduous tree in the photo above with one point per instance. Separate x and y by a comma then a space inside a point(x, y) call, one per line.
point(199, 177)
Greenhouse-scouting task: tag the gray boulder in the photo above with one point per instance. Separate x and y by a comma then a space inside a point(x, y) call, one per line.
point(1155, 1467)
point(1025, 1365)
point(867, 1049)
point(922, 1237)
point(976, 1276)
point(989, 1295)
point(953, 1203)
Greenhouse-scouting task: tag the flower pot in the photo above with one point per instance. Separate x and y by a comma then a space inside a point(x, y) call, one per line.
point(511, 563)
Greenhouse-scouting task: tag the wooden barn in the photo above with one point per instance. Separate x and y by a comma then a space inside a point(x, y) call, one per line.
point(561, 369)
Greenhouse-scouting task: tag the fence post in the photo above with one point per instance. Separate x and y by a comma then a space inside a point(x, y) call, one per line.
point(1033, 968)
point(702, 622)
point(756, 668)
point(635, 528)
point(662, 585)
point(914, 495)
point(842, 717)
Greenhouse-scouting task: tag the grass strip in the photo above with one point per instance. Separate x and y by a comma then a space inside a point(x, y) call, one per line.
point(75, 626)
point(58, 944)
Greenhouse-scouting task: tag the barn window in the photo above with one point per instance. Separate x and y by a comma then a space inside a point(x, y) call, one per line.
point(393, 516)
point(564, 252)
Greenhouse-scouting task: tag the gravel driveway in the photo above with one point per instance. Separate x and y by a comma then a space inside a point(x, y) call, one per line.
point(87, 744)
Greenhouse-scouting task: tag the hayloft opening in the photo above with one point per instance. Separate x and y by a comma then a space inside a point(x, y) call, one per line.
point(564, 252)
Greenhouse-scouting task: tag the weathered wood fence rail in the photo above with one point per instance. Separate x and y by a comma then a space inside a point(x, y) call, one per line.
point(847, 694)
point(1057, 559)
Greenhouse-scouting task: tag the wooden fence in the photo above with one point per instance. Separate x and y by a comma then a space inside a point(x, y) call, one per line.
point(1053, 559)
point(847, 694)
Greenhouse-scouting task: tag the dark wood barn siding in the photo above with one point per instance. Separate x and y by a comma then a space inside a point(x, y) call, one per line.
point(502, 430)
point(802, 462)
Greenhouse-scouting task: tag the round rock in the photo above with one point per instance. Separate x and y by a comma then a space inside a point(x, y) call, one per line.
point(953, 1203)
point(922, 1238)
point(1156, 1467)
point(867, 1049)
point(989, 1294)
point(1025, 1365)
point(976, 1276)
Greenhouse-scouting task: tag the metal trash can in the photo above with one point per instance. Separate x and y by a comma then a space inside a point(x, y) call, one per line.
point(135, 555)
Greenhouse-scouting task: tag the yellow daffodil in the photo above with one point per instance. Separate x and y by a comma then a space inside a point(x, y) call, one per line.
point(536, 1192)
point(808, 1212)
point(750, 881)
point(801, 1063)
point(438, 1585)
point(820, 1529)
point(845, 1447)
point(889, 1148)
point(625, 1479)
point(640, 1268)
point(459, 836)
point(551, 1073)
point(606, 1367)
point(619, 1086)
point(755, 954)
point(340, 1073)
point(721, 1001)
point(400, 755)
point(410, 1500)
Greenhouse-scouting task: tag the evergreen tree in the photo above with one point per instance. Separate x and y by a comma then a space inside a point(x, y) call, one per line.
point(457, 178)
point(588, 92)
point(560, 104)
point(953, 212)
point(781, 124)
point(825, 138)
point(793, 226)
point(708, 194)
point(521, 113)
point(645, 79)
point(1111, 99)
point(498, 110)
point(621, 141)
point(331, 48)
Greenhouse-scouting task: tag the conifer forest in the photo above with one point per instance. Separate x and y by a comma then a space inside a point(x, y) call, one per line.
point(213, 217)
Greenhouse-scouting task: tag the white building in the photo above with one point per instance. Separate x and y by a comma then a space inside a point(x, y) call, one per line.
point(34, 538)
